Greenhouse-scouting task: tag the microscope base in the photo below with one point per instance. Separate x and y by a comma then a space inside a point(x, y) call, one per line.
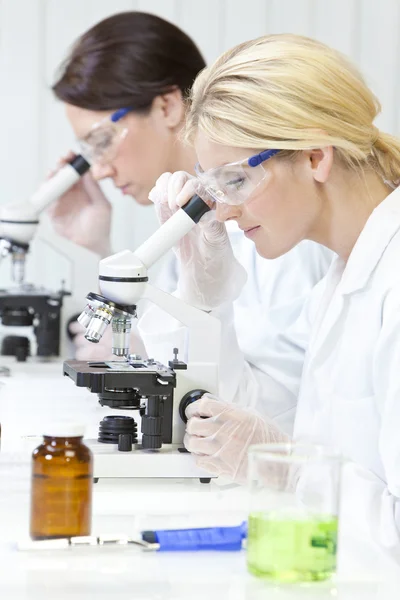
point(165, 463)
point(109, 462)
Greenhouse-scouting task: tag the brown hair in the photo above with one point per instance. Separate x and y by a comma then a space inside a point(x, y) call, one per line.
point(127, 60)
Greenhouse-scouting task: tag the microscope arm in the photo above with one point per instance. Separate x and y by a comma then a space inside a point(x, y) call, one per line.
point(205, 330)
point(18, 222)
point(135, 264)
point(167, 236)
point(123, 280)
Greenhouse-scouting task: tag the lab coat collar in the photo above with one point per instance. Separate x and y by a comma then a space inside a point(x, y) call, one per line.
point(371, 244)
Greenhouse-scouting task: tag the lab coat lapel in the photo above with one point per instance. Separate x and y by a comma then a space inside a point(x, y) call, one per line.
point(344, 280)
point(380, 228)
point(329, 309)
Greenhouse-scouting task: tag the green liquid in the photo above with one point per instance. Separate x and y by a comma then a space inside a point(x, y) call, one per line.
point(291, 550)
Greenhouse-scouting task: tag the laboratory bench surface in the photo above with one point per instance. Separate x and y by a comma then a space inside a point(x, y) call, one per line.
point(128, 506)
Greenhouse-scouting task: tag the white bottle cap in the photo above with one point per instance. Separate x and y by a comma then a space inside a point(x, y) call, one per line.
point(64, 429)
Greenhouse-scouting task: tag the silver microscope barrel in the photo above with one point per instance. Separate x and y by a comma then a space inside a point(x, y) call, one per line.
point(121, 333)
point(18, 267)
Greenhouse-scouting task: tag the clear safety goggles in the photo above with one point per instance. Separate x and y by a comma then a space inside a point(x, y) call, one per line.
point(101, 144)
point(235, 182)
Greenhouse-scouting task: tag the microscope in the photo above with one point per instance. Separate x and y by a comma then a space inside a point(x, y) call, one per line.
point(159, 393)
point(26, 305)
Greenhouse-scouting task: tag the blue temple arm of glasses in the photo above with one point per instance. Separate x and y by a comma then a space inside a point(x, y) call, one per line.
point(257, 159)
point(118, 114)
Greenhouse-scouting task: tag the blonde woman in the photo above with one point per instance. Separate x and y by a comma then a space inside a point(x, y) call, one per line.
point(283, 128)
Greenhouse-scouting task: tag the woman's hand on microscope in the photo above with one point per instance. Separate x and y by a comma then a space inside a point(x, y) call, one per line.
point(83, 213)
point(219, 434)
point(209, 272)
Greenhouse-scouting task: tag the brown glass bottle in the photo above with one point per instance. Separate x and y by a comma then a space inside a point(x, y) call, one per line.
point(62, 479)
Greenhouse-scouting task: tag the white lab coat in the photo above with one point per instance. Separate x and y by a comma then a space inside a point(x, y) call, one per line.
point(270, 302)
point(350, 389)
point(342, 355)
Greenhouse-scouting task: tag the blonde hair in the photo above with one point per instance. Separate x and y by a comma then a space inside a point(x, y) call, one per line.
point(291, 92)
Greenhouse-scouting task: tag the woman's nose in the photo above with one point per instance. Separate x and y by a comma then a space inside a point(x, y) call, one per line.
point(226, 212)
point(102, 171)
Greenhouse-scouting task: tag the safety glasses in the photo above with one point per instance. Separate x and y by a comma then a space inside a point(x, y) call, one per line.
point(101, 144)
point(235, 182)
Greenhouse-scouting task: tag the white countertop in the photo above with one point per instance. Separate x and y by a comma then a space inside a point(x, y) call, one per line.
point(128, 506)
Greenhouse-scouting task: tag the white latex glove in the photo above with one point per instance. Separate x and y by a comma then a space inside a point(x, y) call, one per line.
point(209, 272)
point(83, 213)
point(220, 434)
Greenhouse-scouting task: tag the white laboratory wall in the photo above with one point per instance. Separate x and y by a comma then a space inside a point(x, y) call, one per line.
point(35, 36)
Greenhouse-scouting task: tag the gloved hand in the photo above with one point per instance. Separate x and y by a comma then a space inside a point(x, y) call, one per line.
point(209, 272)
point(83, 213)
point(222, 439)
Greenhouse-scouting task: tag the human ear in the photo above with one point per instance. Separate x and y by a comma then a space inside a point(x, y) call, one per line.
point(172, 108)
point(320, 161)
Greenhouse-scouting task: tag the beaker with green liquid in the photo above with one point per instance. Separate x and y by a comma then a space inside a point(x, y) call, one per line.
point(293, 520)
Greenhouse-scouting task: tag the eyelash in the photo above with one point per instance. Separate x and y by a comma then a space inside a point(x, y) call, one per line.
point(239, 180)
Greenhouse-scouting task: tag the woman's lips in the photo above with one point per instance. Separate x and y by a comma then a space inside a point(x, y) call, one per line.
point(124, 188)
point(252, 231)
